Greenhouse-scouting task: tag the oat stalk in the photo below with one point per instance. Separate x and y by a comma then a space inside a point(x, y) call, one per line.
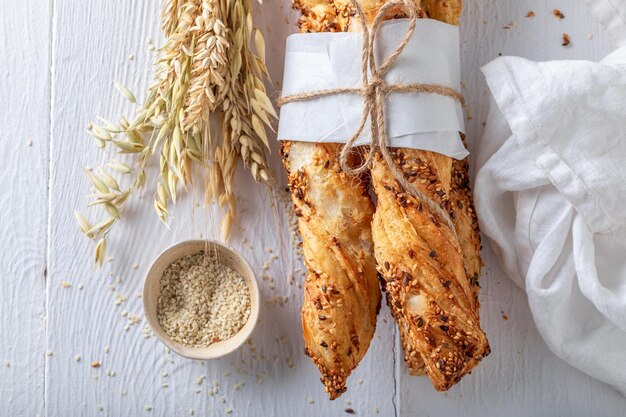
point(207, 67)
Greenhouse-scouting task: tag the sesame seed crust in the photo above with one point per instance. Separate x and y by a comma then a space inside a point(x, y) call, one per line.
point(430, 277)
point(416, 255)
point(341, 291)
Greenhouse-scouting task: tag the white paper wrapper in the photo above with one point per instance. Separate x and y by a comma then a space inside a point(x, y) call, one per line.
point(320, 61)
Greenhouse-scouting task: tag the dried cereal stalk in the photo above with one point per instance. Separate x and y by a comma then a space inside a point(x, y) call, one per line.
point(206, 67)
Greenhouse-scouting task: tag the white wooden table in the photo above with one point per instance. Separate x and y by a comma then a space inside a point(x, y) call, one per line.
point(57, 62)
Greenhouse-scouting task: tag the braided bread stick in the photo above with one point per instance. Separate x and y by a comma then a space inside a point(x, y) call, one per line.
point(430, 272)
point(341, 290)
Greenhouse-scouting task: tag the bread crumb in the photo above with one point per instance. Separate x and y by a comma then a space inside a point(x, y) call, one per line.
point(566, 40)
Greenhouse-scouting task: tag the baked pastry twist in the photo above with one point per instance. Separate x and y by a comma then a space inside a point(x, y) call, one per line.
point(431, 272)
point(341, 290)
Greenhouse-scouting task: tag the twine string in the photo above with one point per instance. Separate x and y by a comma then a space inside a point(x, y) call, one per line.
point(374, 90)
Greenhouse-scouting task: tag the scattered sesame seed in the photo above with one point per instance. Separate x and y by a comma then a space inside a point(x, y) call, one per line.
point(131, 57)
point(124, 392)
point(228, 411)
point(106, 349)
point(77, 358)
point(65, 284)
point(49, 353)
point(200, 379)
point(29, 142)
point(119, 299)
point(100, 407)
point(147, 407)
point(81, 286)
point(310, 400)
point(509, 25)
point(7, 364)
point(135, 266)
point(192, 412)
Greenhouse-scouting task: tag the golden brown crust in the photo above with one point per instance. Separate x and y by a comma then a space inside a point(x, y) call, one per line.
point(337, 15)
point(428, 290)
point(342, 296)
point(431, 273)
point(341, 292)
point(461, 209)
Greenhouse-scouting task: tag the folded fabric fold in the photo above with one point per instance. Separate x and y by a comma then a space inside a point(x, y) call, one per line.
point(551, 194)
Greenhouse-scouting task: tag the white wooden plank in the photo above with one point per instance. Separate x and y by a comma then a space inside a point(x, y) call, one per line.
point(83, 322)
point(521, 377)
point(25, 104)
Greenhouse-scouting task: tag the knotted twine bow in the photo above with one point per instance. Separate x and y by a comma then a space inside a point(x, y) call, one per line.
point(374, 91)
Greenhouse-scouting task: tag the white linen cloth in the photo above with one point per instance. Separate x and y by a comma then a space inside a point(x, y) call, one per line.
point(551, 196)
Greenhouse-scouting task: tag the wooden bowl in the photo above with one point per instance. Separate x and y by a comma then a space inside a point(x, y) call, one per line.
point(152, 290)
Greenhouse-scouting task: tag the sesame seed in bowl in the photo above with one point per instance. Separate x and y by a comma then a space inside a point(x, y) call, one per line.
point(201, 299)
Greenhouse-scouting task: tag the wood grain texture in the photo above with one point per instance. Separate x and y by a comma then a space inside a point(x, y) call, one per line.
point(90, 46)
point(25, 116)
point(278, 378)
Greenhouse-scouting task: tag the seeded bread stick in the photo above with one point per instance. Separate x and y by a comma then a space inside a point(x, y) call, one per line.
point(430, 272)
point(341, 291)
point(447, 181)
